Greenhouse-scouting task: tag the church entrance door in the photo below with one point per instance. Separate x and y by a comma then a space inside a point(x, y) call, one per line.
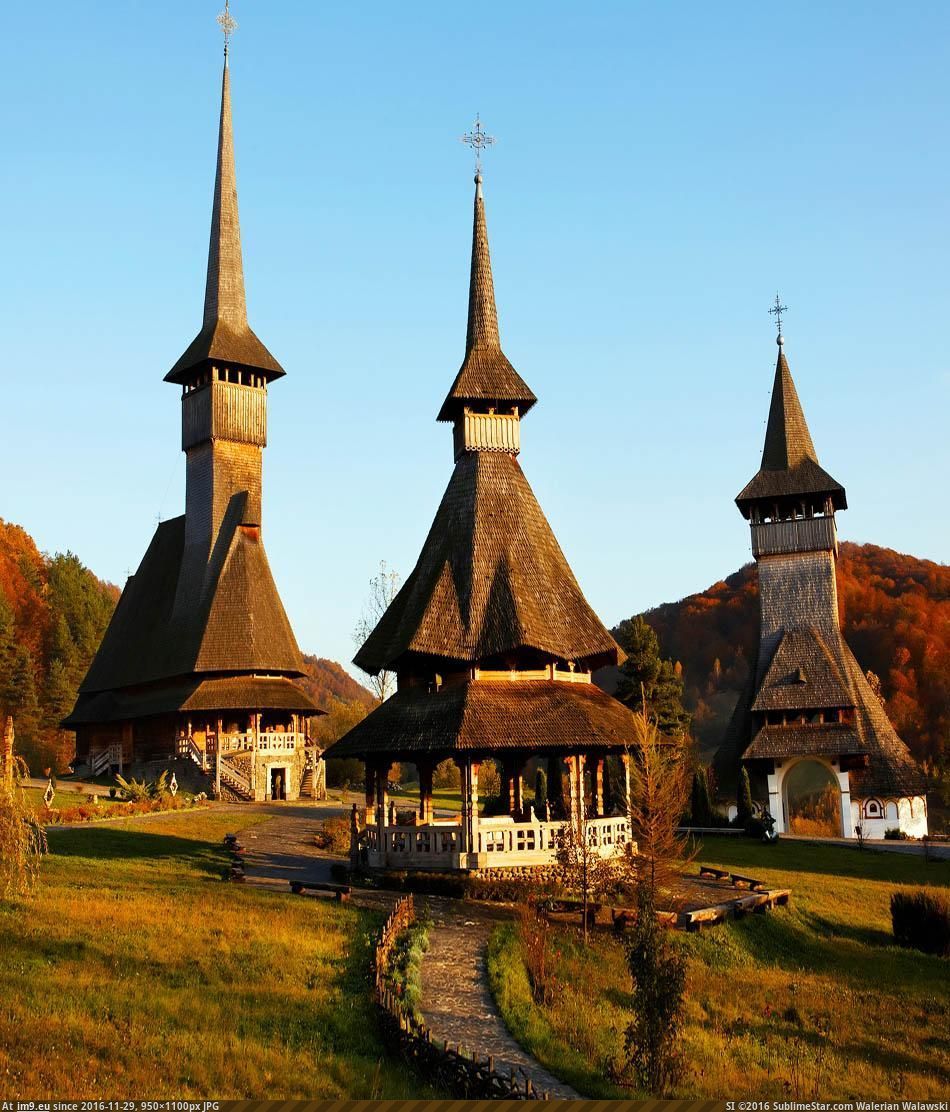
point(278, 783)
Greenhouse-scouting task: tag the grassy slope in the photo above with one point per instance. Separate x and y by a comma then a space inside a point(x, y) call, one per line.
point(757, 987)
point(136, 971)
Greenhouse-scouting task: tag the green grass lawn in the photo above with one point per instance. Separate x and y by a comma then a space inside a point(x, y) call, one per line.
point(62, 799)
point(136, 971)
point(760, 989)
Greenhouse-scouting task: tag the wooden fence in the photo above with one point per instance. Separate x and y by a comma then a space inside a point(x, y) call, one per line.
point(465, 1075)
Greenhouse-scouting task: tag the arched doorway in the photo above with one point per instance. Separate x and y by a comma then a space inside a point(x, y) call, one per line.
point(811, 797)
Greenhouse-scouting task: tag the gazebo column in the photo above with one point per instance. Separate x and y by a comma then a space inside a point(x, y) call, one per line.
point(469, 834)
point(370, 791)
point(382, 805)
point(597, 771)
point(425, 790)
point(575, 766)
point(514, 786)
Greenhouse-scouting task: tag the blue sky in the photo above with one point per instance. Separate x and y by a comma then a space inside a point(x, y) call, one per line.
point(660, 170)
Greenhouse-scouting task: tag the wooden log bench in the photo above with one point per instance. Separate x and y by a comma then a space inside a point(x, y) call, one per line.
point(749, 882)
point(716, 874)
point(340, 892)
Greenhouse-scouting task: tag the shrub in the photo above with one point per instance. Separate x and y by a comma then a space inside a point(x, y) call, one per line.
point(921, 919)
point(534, 931)
point(894, 834)
point(22, 840)
point(657, 967)
point(334, 835)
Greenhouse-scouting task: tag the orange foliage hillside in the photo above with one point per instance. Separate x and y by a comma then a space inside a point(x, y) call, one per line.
point(895, 611)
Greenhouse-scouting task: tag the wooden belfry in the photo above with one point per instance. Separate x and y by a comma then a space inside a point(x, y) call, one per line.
point(492, 641)
point(807, 698)
point(199, 659)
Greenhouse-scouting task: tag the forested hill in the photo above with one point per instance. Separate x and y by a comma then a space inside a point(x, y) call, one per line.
point(53, 613)
point(895, 612)
point(326, 680)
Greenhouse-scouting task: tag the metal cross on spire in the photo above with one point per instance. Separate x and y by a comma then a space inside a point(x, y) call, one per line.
point(776, 311)
point(479, 141)
point(228, 25)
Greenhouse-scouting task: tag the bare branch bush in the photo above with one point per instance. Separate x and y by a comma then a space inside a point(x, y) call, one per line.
point(383, 588)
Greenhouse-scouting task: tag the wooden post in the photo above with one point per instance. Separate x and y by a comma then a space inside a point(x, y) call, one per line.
point(469, 836)
point(217, 773)
point(599, 786)
point(626, 784)
point(425, 791)
point(370, 774)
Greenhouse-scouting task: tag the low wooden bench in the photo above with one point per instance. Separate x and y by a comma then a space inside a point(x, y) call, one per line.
point(340, 892)
point(718, 874)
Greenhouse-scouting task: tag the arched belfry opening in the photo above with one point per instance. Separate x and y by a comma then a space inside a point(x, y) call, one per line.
point(811, 798)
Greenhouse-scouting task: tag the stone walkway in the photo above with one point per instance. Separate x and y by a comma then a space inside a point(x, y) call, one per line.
point(456, 1001)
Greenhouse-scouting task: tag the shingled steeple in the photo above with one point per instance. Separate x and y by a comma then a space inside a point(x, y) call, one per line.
point(199, 657)
point(486, 377)
point(225, 336)
point(790, 476)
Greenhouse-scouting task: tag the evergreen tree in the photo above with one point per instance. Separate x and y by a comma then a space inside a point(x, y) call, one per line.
point(700, 804)
point(59, 694)
point(744, 797)
point(20, 697)
point(540, 793)
point(644, 675)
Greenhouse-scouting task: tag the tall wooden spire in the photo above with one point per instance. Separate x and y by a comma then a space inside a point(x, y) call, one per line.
point(486, 377)
point(224, 291)
point(225, 338)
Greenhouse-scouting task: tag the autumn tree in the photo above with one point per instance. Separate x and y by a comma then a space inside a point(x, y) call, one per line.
point(383, 588)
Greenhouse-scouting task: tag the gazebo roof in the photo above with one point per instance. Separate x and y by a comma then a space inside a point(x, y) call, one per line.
point(489, 715)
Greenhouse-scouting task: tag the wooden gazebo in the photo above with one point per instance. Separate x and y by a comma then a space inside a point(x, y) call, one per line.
point(493, 644)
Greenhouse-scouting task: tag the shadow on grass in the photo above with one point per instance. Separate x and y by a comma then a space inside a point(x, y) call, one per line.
point(827, 860)
point(112, 844)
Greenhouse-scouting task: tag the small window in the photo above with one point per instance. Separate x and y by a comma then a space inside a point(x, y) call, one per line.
point(872, 809)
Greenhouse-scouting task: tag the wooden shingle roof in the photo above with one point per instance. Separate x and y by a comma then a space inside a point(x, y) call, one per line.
point(891, 769)
point(485, 716)
point(789, 466)
point(234, 622)
point(486, 375)
point(225, 336)
point(803, 675)
point(491, 579)
point(224, 693)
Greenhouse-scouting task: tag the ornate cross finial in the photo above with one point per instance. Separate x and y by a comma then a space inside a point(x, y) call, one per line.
point(776, 311)
point(478, 140)
point(228, 25)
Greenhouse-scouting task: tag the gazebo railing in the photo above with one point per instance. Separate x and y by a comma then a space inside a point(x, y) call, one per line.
point(500, 839)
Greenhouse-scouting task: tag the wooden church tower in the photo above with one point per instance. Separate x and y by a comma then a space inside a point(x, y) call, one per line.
point(493, 644)
point(200, 659)
point(807, 697)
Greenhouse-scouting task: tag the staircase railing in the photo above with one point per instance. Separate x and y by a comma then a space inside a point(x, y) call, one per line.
point(188, 748)
point(234, 778)
point(103, 760)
